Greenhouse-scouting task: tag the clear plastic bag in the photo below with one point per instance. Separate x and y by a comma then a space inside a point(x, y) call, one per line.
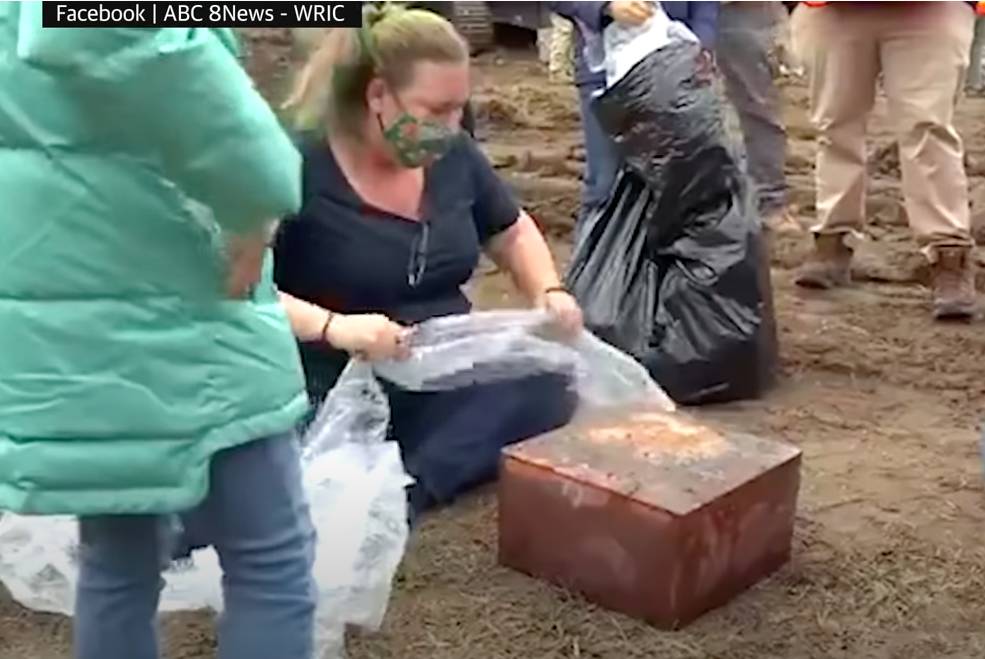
point(39, 561)
point(357, 486)
point(486, 347)
point(354, 477)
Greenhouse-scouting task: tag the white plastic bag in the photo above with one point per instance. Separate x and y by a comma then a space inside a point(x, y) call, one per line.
point(621, 47)
point(354, 478)
point(625, 47)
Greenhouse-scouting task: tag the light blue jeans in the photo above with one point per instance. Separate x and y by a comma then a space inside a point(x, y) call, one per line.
point(257, 518)
point(601, 160)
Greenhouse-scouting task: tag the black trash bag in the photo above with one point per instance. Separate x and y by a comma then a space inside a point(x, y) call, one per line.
point(612, 273)
point(673, 268)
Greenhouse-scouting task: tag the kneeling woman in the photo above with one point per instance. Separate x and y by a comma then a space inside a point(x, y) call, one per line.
point(398, 207)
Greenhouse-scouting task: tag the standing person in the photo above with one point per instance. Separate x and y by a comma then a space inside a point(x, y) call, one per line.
point(404, 205)
point(745, 37)
point(601, 161)
point(976, 84)
point(148, 368)
point(920, 50)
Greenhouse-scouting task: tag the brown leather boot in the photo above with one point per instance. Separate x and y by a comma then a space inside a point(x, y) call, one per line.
point(952, 282)
point(829, 266)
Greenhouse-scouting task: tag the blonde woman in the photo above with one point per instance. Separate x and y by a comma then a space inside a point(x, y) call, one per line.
point(398, 207)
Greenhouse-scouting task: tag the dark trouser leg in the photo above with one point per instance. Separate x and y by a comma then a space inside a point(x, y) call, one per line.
point(975, 80)
point(452, 440)
point(745, 35)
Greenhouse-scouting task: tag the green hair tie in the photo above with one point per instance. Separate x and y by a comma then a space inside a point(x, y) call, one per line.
point(373, 14)
point(366, 46)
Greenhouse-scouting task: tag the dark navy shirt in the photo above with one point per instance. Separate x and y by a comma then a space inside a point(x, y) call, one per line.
point(343, 254)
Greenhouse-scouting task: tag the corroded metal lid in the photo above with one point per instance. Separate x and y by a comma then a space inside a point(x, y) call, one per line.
point(670, 461)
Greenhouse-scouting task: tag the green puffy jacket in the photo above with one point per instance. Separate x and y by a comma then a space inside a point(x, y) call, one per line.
point(126, 155)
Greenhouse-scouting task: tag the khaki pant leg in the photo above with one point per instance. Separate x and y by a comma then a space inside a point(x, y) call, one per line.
point(842, 59)
point(925, 55)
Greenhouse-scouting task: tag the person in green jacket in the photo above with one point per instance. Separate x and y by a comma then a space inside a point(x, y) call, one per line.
point(147, 368)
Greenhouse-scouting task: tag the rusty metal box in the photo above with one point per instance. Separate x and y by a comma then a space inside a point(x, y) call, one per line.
point(648, 513)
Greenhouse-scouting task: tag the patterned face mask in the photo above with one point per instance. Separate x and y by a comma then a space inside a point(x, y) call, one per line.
point(415, 142)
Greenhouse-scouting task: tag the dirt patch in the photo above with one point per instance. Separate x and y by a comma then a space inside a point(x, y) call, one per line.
point(524, 106)
point(512, 92)
point(884, 403)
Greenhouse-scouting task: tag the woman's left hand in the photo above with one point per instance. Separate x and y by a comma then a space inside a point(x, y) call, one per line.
point(565, 312)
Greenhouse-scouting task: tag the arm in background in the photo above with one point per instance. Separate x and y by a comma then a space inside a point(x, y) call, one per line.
point(704, 22)
point(590, 14)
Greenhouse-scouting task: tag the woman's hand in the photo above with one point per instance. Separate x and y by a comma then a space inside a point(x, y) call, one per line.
point(372, 337)
point(630, 12)
point(246, 257)
point(565, 312)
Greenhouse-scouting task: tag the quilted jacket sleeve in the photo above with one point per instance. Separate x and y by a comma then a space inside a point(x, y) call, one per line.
point(178, 97)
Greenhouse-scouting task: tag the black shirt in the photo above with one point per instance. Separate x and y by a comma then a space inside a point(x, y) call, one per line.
point(345, 255)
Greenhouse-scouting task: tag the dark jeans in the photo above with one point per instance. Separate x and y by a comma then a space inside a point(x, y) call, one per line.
point(745, 33)
point(452, 440)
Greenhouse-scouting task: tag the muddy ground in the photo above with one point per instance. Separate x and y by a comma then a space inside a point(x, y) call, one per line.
point(889, 562)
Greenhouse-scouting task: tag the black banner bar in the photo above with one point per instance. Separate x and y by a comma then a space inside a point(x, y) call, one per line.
point(201, 14)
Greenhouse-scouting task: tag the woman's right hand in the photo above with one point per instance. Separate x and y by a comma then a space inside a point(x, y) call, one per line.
point(372, 337)
point(630, 12)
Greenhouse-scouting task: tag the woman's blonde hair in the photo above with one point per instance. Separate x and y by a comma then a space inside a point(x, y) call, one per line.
point(330, 92)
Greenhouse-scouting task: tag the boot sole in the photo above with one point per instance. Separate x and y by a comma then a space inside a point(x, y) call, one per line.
point(956, 313)
point(821, 283)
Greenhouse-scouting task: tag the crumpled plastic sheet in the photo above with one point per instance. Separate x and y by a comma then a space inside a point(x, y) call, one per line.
point(354, 477)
